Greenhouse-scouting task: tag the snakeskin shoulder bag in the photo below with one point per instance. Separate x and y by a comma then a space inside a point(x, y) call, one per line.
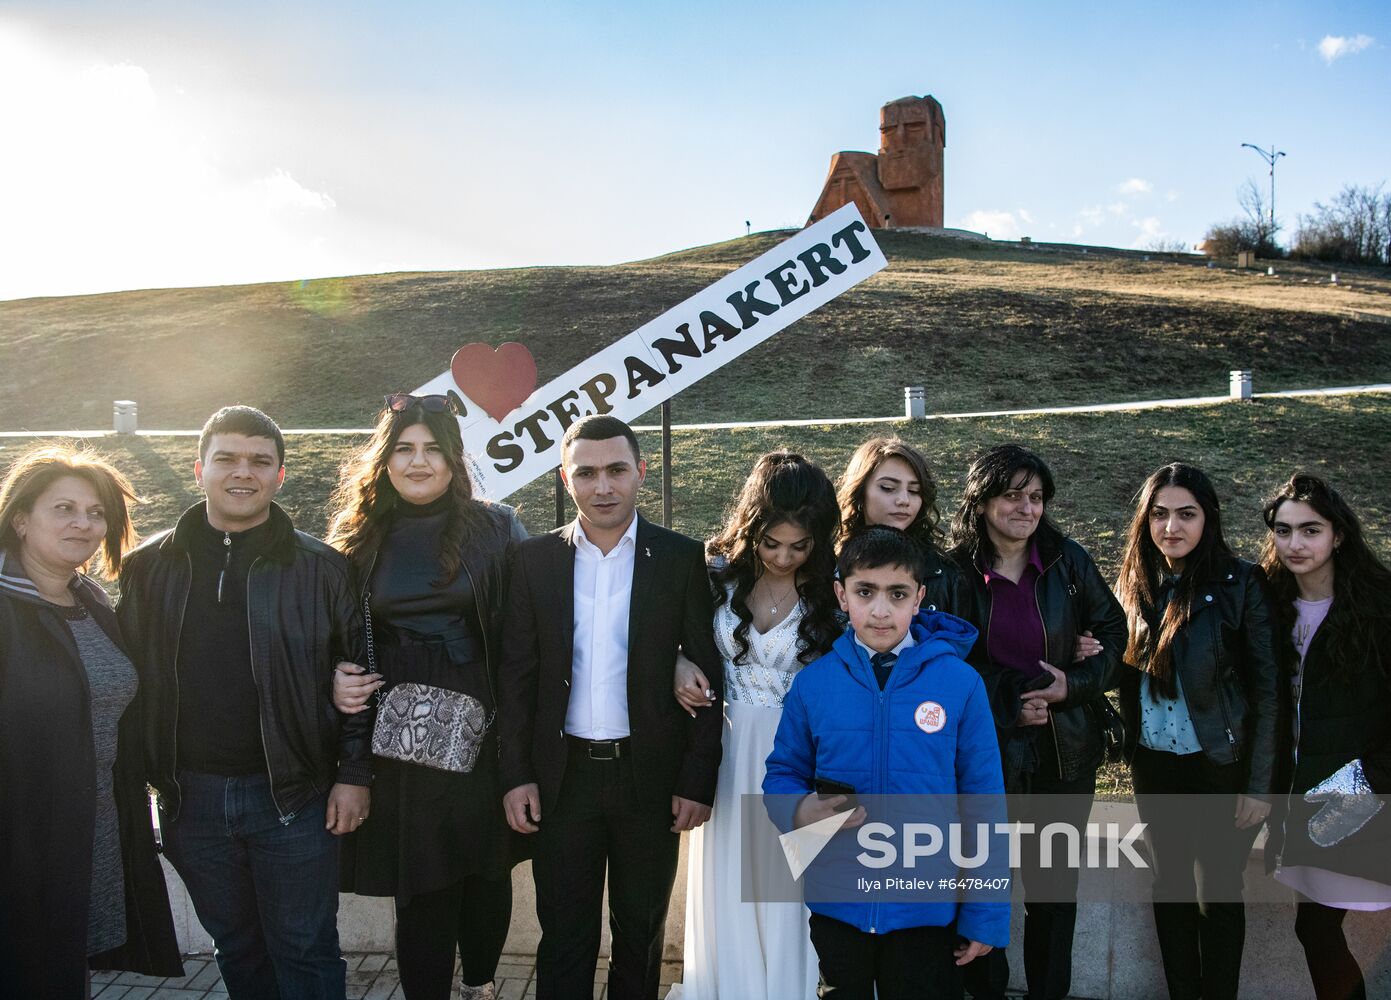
point(424, 724)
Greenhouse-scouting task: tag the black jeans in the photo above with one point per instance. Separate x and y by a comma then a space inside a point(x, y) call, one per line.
point(596, 825)
point(1200, 922)
point(1335, 973)
point(1050, 894)
point(471, 915)
point(916, 962)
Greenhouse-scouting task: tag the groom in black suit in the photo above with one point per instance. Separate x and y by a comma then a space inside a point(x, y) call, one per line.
point(603, 765)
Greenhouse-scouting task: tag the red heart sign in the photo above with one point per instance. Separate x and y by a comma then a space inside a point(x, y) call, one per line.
point(497, 380)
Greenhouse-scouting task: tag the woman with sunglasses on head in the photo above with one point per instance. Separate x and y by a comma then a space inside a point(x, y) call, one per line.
point(1051, 633)
point(1200, 697)
point(81, 886)
point(775, 612)
point(1331, 832)
point(888, 482)
point(429, 560)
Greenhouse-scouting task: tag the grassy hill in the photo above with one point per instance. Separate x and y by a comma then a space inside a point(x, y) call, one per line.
point(982, 325)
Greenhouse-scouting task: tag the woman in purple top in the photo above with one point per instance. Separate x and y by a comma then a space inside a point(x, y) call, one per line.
point(1051, 634)
point(1330, 832)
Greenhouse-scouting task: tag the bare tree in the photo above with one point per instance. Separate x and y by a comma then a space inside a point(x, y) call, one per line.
point(1253, 231)
point(1354, 227)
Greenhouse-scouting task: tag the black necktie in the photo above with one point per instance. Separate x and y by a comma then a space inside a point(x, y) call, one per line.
point(882, 663)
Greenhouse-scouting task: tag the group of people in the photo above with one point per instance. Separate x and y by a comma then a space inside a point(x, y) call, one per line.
point(413, 706)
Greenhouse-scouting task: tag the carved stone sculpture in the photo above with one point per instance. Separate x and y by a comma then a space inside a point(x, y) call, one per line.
point(902, 185)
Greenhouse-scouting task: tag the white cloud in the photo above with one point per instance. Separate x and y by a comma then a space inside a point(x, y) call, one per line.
point(1336, 46)
point(114, 191)
point(1024, 214)
point(1150, 227)
point(1000, 225)
point(1171, 196)
point(1136, 185)
point(1093, 215)
point(283, 191)
point(1116, 208)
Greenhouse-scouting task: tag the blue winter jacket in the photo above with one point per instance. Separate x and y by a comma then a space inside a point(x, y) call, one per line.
point(837, 724)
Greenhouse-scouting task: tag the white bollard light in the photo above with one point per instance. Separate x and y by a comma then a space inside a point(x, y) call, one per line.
point(915, 402)
point(1241, 386)
point(123, 416)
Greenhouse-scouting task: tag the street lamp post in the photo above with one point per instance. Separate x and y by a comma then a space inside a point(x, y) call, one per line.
point(1270, 156)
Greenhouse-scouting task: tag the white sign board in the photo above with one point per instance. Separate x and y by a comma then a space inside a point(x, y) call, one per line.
point(671, 353)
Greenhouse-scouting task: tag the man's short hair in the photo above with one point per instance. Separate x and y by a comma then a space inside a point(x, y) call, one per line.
point(878, 546)
point(600, 427)
point(245, 420)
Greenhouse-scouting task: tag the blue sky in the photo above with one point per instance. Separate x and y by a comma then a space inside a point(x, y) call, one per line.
point(155, 144)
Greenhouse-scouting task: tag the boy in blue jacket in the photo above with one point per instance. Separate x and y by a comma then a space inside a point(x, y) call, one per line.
point(892, 709)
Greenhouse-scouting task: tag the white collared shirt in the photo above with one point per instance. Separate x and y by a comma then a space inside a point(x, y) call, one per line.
point(907, 641)
point(598, 707)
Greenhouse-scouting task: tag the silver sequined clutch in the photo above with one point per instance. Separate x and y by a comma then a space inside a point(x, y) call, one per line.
point(430, 726)
point(1348, 805)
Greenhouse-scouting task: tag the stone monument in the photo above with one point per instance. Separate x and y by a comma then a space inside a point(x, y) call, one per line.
point(902, 185)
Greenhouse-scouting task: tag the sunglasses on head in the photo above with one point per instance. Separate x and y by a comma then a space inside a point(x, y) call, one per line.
point(400, 402)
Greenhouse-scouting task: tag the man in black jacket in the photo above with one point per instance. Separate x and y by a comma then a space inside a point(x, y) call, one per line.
point(235, 620)
point(604, 767)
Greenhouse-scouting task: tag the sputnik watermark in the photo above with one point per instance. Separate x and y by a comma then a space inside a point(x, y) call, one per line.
point(924, 840)
point(931, 847)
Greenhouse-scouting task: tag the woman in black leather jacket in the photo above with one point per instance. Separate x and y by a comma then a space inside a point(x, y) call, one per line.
point(429, 562)
point(1330, 830)
point(1050, 639)
point(1201, 704)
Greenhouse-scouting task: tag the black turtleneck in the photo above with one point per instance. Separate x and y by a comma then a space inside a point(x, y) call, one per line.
point(219, 717)
point(404, 593)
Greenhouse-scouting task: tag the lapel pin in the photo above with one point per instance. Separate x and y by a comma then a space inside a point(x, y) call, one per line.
point(647, 551)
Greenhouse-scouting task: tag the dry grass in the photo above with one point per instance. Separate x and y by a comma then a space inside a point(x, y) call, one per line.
point(981, 325)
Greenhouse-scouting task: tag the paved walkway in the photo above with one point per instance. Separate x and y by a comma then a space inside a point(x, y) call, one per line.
point(370, 977)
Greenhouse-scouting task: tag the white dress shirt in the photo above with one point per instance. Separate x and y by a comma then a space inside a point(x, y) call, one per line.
point(598, 707)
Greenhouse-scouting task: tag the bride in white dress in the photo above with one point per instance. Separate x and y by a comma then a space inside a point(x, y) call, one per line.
point(772, 568)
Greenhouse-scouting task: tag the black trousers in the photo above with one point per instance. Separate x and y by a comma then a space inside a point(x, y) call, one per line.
point(1050, 894)
point(916, 962)
point(1200, 921)
point(597, 825)
point(472, 916)
point(1335, 973)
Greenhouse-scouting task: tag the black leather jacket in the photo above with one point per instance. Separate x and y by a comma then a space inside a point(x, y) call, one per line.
point(1072, 598)
point(303, 620)
point(1343, 714)
point(941, 582)
point(1227, 661)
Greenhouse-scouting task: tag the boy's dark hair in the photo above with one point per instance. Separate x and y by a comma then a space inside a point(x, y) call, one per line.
point(880, 546)
point(600, 427)
point(245, 420)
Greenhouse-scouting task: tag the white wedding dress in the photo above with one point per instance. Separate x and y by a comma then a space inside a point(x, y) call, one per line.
point(737, 950)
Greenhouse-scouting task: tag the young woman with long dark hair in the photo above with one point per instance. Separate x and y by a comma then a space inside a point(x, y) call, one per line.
point(772, 567)
point(429, 560)
point(1331, 832)
point(1050, 640)
point(887, 481)
point(1200, 699)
